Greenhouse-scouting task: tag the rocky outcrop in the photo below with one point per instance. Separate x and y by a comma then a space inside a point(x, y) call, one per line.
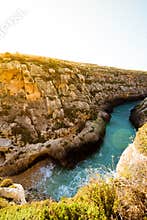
point(134, 158)
point(58, 109)
point(66, 150)
point(11, 192)
point(133, 161)
point(131, 178)
point(16, 193)
point(139, 114)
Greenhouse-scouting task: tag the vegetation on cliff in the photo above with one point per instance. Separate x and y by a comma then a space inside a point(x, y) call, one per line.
point(141, 139)
point(98, 200)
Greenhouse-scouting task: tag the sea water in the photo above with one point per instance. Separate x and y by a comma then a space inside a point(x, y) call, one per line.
point(59, 182)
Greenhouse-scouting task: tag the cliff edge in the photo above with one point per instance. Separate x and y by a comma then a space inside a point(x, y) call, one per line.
point(58, 109)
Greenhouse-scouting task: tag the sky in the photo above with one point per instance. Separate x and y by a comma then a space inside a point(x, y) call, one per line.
point(104, 32)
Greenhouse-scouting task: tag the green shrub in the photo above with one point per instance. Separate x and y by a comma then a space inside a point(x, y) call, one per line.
point(3, 203)
point(97, 200)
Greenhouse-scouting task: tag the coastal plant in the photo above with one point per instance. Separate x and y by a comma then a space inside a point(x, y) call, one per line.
point(100, 199)
point(3, 203)
point(141, 139)
point(97, 200)
point(132, 199)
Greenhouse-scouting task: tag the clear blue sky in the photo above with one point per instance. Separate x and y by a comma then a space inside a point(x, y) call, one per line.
point(106, 32)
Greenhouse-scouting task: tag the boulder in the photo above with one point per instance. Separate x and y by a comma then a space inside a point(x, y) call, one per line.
point(15, 192)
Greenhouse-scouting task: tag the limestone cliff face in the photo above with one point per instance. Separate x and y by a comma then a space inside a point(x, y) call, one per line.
point(57, 108)
point(133, 162)
point(131, 175)
point(139, 114)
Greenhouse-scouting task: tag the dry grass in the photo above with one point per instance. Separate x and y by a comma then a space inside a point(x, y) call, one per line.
point(141, 139)
point(5, 182)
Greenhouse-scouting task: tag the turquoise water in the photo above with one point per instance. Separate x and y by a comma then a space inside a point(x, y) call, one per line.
point(59, 182)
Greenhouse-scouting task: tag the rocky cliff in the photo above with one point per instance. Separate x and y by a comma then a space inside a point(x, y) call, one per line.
point(133, 161)
point(132, 174)
point(139, 114)
point(58, 109)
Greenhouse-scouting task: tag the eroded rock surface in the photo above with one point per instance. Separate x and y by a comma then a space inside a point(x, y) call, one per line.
point(56, 108)
point(11, 192)
point(139, 114)
point(133, 161)
point(16, 193)
point(132, 174)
